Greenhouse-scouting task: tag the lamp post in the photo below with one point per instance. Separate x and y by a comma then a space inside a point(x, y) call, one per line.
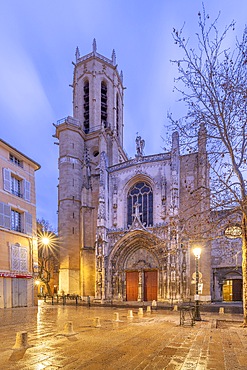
point(197, 253)
point(45, 254)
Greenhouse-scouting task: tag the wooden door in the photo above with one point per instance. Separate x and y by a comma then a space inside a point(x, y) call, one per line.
point(237, 287)
point(132, 285)
point(150, 285)
point(227, 291)
point(19, 292)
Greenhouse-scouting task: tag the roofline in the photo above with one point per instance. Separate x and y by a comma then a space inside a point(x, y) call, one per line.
point(23, 155)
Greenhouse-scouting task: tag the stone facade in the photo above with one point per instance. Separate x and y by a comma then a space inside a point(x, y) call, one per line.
point(18, 236)
point(127, 226)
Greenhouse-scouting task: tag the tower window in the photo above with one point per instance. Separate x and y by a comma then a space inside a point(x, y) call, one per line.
point(86, 107)
point(117, 114)
point(141, 196)
point(104, 103)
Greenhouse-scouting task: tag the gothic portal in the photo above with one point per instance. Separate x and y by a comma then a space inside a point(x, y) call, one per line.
point(121, 221)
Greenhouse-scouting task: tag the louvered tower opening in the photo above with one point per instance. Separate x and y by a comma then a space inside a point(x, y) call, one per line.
point(104, 104)
point(117, 115)
point(86, 106)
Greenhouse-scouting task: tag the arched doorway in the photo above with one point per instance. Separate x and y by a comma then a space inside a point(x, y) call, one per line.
point(135, 268)
point(232, 289)
point(141, 285)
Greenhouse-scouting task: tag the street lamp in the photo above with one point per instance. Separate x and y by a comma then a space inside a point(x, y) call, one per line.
point(45, 240)
point(197, 253)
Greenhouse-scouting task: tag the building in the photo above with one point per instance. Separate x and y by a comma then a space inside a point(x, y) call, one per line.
point(127, 226)
point(226, 256)
point(18, 241)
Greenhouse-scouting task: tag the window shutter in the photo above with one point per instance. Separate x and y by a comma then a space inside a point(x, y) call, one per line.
point(15, 257)
point(28, 223)
point(7, 179)
point(1, 214)
point(23, 260)
point(5, 215)
point(27, 190)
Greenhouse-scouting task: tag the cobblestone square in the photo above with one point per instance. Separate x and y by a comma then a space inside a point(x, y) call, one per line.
point(70, 337)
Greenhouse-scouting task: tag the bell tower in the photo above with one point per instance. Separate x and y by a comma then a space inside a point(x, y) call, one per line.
point(98, 102)
point(95, 128)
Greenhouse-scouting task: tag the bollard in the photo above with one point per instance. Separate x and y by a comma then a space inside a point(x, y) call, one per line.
point(64, 299)
point(140, 311)
point(68, 328)
point(21, 340)
point(154, 304)
point(221, 310)
point(76, 300)
point(149, 309)
point(175, 308)
point(116, 316)
point(130, 314)
point(52, 302)
point(97, 322)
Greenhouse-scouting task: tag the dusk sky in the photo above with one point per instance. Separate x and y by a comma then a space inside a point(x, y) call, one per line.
point(38, 40)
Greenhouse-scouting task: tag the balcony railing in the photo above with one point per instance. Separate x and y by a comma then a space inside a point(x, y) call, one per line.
point(73, 121)
point(69, 120)
point(17, 193)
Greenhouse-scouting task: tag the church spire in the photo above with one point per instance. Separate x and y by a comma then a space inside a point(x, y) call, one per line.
point(77, 54)
point(94, 46)
point(113, 57)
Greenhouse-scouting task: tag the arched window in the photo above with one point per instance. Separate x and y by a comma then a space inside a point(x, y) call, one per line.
point(117, 114)
point(141, 196)
point(104, 103)
point(86, 106)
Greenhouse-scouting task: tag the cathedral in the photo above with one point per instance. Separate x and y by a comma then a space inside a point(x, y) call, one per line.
point(127, 227)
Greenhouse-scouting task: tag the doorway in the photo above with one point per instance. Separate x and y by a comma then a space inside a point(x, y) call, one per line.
point(150, 285)
point(132, 285)
point(232, 290)
point(19, 292)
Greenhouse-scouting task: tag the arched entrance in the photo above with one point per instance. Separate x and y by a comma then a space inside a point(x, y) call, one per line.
point(232, 289)
point(141, 285)
point(135, 268)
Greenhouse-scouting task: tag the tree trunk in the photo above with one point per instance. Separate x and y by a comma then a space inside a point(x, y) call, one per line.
point(244, 267)
point(48, 288)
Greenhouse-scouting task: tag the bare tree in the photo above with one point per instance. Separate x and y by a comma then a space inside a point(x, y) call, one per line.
point(212, 81)
point(47, 253)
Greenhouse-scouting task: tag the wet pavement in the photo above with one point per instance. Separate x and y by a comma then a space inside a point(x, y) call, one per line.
point(98, 338)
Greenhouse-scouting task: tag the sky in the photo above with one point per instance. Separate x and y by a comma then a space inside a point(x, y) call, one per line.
point(38, 40)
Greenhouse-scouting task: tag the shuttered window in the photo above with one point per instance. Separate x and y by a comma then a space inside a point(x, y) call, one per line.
point(28, 223)
point(16, 186)
point(5, 215)
point(19, 258)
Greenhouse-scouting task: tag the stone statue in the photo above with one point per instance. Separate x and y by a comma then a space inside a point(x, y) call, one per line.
point(140, 143)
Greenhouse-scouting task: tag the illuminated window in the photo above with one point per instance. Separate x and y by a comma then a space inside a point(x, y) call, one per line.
point(233, 232)
point(141, 196)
